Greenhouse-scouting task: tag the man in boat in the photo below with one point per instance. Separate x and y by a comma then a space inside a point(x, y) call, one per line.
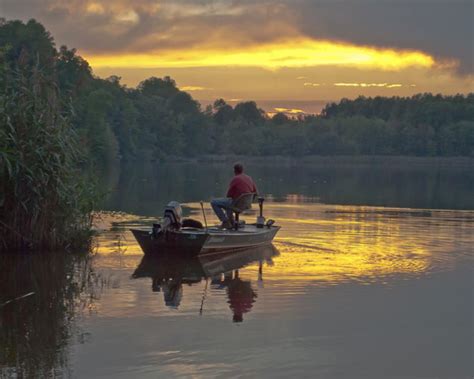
point(239, 185)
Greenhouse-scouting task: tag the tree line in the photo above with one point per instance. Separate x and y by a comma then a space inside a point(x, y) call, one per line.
point(157, 120)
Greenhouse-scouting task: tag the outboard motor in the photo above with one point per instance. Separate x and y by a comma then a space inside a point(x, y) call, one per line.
point(174, 214)
point(171, 219)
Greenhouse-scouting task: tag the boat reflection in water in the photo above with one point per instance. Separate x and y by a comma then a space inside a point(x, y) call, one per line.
point(169, 271)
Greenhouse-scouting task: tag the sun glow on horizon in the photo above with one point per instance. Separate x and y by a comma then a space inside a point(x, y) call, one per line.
point(300, 52)
point(193, 88)
point(289, 110)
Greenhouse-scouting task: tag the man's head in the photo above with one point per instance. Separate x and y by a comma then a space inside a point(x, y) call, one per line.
point(238, 168)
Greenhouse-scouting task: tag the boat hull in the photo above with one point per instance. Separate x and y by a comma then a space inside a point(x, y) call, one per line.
point(204, 241)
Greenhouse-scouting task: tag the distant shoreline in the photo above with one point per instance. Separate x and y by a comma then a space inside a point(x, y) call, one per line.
point(372, 160)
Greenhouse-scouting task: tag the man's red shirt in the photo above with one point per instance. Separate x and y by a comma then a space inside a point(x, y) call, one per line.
point(240, 184)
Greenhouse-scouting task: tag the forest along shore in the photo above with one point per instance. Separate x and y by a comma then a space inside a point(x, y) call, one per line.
point(343, 160)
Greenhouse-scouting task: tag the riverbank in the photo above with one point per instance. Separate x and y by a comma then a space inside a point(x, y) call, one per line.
point(342, 160)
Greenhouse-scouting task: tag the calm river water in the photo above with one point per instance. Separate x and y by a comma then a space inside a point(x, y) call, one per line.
point(369, 277)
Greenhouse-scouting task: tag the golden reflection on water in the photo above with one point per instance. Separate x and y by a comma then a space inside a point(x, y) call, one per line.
point(328, 244)
point(319, 246)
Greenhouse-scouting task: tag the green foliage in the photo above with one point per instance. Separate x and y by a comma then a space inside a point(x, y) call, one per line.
point(156, 87)
point(27, 44)
point(423, 124)
point(158, 121)
point(249, 114)
point(42, 198)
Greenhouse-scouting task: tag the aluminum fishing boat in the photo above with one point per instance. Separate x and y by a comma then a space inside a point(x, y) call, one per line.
point(190, 237)
point(193, 241)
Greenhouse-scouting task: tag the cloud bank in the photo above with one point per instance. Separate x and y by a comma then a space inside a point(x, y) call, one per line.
point(435, 31)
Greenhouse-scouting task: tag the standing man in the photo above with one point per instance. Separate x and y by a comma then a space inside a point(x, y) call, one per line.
point(239, 185)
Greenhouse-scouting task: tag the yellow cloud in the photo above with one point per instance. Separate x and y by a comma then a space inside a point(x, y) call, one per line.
point(297, 52)
point(386, 85)
point(193, 88)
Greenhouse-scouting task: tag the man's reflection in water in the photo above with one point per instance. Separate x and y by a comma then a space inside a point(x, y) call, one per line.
point(169, 275)
point(240, 293)
point(172, 291)
point(241, 297)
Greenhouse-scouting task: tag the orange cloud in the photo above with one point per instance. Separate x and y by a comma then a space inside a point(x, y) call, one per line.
point(95, 8)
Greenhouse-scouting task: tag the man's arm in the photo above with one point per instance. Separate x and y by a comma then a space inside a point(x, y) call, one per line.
point(231, 190)
point(254, 187)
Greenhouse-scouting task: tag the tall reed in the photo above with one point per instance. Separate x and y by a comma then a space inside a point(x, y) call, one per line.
point(44, 200)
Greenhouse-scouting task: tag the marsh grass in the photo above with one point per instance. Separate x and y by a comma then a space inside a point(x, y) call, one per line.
point(45, 200)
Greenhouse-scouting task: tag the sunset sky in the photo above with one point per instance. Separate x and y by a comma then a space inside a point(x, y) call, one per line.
point(292, 54)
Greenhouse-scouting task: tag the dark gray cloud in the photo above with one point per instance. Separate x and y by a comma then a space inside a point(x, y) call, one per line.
point(163, 24)
point(443, 28)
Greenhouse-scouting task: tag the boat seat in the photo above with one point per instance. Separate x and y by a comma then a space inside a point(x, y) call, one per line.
point(241, 204)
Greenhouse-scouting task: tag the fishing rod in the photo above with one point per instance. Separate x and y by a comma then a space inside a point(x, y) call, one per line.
point(204, 214)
